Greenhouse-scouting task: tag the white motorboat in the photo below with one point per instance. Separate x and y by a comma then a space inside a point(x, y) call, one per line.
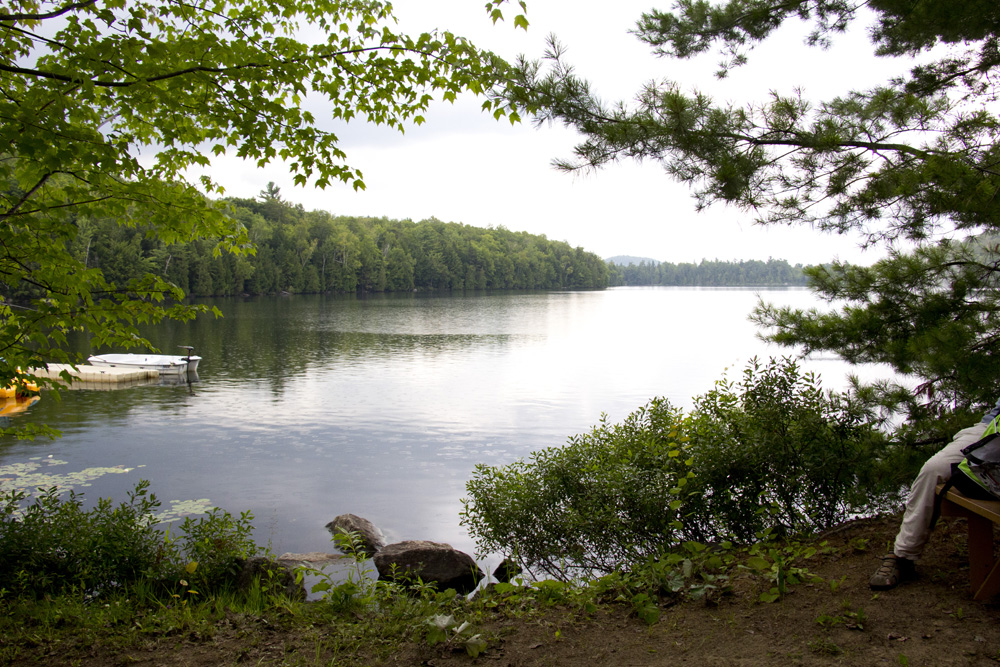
point(166, 364)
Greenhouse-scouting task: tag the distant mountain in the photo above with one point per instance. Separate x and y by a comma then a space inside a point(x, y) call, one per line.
point(629, 260)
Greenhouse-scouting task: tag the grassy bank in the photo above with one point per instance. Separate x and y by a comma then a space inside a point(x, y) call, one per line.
point(719, 615)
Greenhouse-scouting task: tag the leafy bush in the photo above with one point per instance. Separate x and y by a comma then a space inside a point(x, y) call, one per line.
point(775, 450)
point(218, 544)
point(771, 451)
point(54, 546)
point(609, 498)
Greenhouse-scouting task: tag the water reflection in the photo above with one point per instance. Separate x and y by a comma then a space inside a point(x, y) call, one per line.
point(311, 406)
point(13, 405)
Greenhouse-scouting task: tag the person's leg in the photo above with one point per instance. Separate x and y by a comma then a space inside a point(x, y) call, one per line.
point(916, 526)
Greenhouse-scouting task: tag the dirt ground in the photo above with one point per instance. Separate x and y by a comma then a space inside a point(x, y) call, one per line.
point(931, 621)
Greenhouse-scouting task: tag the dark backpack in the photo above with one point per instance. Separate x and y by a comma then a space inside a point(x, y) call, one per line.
point(978, 474)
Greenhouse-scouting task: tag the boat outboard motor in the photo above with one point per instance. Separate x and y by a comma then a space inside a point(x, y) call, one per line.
point(191, 376)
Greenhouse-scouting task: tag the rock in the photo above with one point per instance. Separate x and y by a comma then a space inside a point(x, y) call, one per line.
point(506, 571)
point(432, 562)
point(274, 577)
point(371, 538)
point(312, 558)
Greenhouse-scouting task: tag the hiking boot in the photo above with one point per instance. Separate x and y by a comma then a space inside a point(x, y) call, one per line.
point(891, 573)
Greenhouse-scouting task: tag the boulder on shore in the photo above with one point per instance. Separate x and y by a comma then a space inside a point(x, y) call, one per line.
point(370, 537)
point(433, 562)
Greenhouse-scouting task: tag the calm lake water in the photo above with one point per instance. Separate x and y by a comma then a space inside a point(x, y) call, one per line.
point(311, 406)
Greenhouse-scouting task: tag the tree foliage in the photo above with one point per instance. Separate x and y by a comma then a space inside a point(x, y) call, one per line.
point(106, 106)
point(773, 272)
point(933, 313)
point(905, 164)
point(299, 251)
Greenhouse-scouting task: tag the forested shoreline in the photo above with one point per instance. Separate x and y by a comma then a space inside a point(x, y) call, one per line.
point(302, 252)
point(309, 252)
point(708, 273)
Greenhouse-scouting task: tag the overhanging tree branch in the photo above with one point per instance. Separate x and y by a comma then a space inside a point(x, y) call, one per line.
point(50, 15)
point(203, 69)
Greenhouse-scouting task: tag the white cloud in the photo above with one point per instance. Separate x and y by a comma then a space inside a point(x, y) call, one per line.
point(463, 166)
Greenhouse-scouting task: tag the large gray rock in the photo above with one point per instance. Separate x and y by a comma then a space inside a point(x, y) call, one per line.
point(371, 538)
point(432, 562)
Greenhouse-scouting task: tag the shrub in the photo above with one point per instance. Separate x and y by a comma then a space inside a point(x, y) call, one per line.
point(609, 498)
point(219, 544)
point(771, 451)
point(54, 546)
point(775, 450)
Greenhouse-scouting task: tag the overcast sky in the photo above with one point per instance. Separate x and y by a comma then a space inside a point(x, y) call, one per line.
point(462, 166)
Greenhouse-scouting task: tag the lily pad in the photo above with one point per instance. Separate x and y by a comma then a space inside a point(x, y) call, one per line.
point(182, 508)
point(34, 474)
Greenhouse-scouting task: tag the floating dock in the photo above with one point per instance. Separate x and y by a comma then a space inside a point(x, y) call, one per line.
point(100, 375)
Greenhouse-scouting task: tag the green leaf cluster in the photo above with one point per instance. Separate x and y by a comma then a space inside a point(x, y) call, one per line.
point(933, 314)
point(54, 545)
point(777, 565)
point(775, 451)
point(444, 629)
point(215, 547)
point(609, 498)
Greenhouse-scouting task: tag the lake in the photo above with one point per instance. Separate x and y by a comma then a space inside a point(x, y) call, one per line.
point(314, 406)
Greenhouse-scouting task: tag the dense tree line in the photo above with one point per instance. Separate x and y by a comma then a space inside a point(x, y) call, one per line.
point(753, 272)
point(315, 252)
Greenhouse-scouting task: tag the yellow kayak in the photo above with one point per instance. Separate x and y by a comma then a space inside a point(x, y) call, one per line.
point(19, 389)
point(13, 405)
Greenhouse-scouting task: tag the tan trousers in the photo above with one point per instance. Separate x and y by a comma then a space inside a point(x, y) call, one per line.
point(916, 526)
